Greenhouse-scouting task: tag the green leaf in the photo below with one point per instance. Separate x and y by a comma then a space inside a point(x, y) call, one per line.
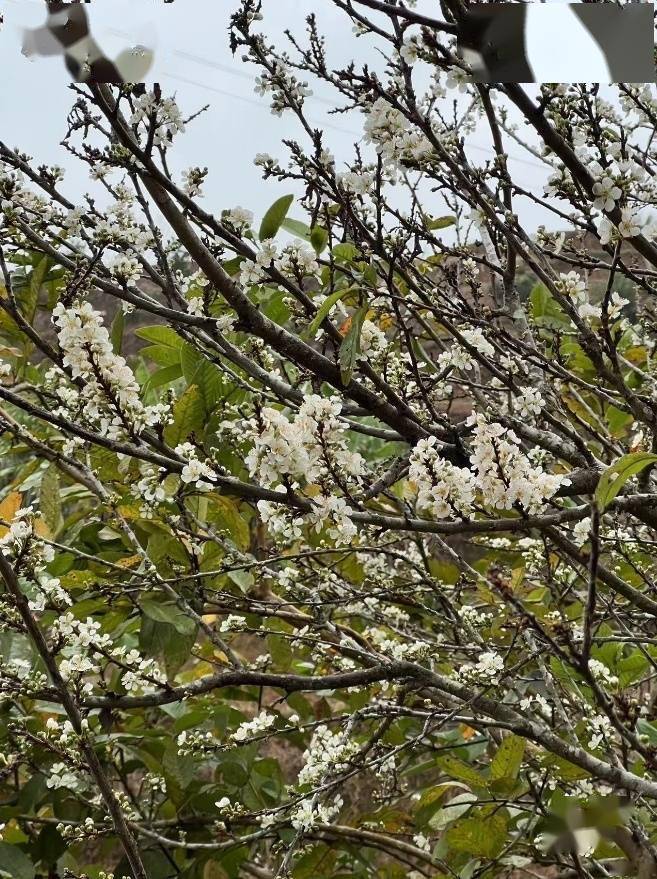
point(296, 227)
point(200, 371)
point(273, 219)
point(350, 347)
point(451, 811)
point(116, 332)
point(214, 870)
point(323, 310)
point(162, 639)
point(319, 238)
point(243, 579)
point(631, 668)
point(163, 355)
point(14, 863)
point(225, 515)
point(508, 759)
point(181, 769)
point(482, 837)
point(648, 730)
point(545, 309)
point(30, 299)
point(50, 499)
point(441, 222)
point(160, 335)
point(344, 252)
point(614, 478)
point(163, 376)
point(163, 611)
point(459, 769)
point(188, 417)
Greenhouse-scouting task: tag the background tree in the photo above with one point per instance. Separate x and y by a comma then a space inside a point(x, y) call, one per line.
point(333, 556)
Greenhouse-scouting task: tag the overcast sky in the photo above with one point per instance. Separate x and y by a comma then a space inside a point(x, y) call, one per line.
point(192, 59)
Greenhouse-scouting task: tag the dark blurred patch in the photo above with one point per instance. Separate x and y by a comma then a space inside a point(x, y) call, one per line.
point(66, 32)
point(492, 39)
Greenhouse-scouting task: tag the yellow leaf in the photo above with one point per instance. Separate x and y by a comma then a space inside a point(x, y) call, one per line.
point(129, 561)
point(345, 326)
point(8, 508)
point(41, 528)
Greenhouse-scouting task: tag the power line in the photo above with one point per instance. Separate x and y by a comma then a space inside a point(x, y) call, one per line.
point(242, 74)
point(254, 102)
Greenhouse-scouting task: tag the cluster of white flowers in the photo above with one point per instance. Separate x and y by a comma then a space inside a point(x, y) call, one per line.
point(614, 180)
point(602, 674)
point(196, 306)
point(505, 474)
point(409, 49)
point(250, 728)
point(502, 473)
point(195, 471)
point(15, 196)
point(299, 447)
point(64, 732)
point(422, 842)
point(297, 257)
point(166, 113)
point(19, 532)
point(538, 703)
point(473, 617)
point(600, 729)
point(459, 357)
point(119, 226)
point(62, 776)
point(283, 86)
point(238, 217)
point(193, 179)
point(559, 183)
point(373, 342)
point(336, 510)
point(18, 676)
point(151, 489)
point(442, 488)
point(233, 623)
point(126, 268)
point(487, 669)
point(280, 521)
point(631, 224)
point(81, 832)
point(72, 221)
point(582, 531)
point(528, 403)
point(457, 78)
point(606, 193)
point(264, 160)
point(572, 285)
point(253, 272)
point(358, 182)
point(142, 674)
point(195, 741)
point(394, 139)
point(327, 753)
point(50, 590)
point(109, 398)
point(86, 646)
point(309, 813)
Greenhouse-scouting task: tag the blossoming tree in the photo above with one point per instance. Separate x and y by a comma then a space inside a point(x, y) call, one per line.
point(333, 555)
